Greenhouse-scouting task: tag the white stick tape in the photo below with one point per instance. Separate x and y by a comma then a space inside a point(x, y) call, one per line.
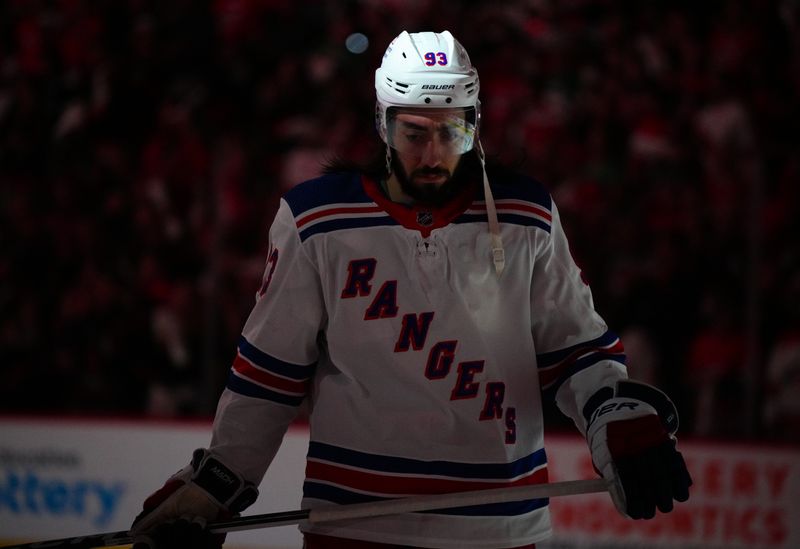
point(458, 499)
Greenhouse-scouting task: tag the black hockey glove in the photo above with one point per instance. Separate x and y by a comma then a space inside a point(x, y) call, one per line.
point(176, 515)
point(631, 434)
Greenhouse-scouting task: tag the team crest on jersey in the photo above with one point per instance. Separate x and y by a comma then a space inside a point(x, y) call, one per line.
point(424, 219)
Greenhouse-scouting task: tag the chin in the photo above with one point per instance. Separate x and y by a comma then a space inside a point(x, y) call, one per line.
point(428, 189)
point(435, 197)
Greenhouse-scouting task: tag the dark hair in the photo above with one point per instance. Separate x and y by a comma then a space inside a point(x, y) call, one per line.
point(374, 167)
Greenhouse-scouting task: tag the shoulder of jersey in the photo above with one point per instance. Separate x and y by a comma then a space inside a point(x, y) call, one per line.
point(507, 185)
point(332, 202)
point(519, 200)
point(335, 188)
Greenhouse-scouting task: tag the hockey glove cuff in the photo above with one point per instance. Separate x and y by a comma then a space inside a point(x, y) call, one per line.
point(204, 491)
point(631, 435)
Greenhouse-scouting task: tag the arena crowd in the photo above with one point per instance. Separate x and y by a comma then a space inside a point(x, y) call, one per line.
point(144, 146)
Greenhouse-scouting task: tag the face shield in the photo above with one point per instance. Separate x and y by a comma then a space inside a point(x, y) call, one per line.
point(414, 131)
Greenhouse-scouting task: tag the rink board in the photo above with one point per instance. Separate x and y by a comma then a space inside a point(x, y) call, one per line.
point(61, 478)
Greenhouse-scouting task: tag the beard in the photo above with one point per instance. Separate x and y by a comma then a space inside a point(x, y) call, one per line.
point(437, 195)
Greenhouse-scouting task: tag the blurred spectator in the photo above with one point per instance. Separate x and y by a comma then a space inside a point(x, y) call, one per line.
point(642, 356)
point(782, 407)
point(781, 402)
point(714, 372)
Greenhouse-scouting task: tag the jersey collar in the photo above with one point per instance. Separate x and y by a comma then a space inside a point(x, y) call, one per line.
point(416, 217)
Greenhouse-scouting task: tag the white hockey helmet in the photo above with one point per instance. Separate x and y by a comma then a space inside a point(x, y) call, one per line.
point(427, 70)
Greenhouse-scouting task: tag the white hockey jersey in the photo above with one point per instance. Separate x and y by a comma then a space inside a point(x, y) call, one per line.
point(425, 370)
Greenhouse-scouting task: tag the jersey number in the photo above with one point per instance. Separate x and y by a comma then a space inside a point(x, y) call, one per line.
point(272, 261)
point(432, 58)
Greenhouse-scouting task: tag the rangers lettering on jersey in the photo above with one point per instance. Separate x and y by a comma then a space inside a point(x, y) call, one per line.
point(413, 335)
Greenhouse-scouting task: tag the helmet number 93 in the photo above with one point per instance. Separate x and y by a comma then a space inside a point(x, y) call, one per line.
point(432, 58)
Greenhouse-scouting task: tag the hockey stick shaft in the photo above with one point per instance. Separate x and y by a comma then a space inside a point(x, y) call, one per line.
point(454, 500)
point(349, 512)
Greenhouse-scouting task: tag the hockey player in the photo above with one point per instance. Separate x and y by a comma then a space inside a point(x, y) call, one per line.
point(425, 313)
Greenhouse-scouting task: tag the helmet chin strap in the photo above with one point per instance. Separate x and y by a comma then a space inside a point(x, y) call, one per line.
point(498, 252)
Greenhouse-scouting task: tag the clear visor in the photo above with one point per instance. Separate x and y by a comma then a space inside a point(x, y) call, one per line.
point(415, 131)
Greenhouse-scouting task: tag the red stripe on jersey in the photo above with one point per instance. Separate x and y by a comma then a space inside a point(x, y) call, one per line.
point(377, 483)
point(253, 373)
point(336, 211)
point(531, 208)
point(551, 373)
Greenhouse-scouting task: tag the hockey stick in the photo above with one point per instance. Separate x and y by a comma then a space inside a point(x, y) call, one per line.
point(355, 511)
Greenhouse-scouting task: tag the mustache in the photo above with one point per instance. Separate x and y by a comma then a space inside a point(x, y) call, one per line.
point(431, 171)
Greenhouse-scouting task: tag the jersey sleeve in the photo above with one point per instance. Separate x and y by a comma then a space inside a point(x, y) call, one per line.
point(576, 352)
point(275, 359)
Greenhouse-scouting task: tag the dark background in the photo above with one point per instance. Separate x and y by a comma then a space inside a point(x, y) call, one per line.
point(144, 146)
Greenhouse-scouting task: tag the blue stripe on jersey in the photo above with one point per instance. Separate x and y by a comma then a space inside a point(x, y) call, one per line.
point(333, 494)
point(392, 464)
point(346, 223)
point(247, 388)
point(338, 188)
point(545, 360)
point(582, 364)
point(511, 219)
point(258, 357)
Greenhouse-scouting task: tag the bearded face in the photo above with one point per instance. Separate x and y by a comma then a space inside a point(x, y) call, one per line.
point(427, 149)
